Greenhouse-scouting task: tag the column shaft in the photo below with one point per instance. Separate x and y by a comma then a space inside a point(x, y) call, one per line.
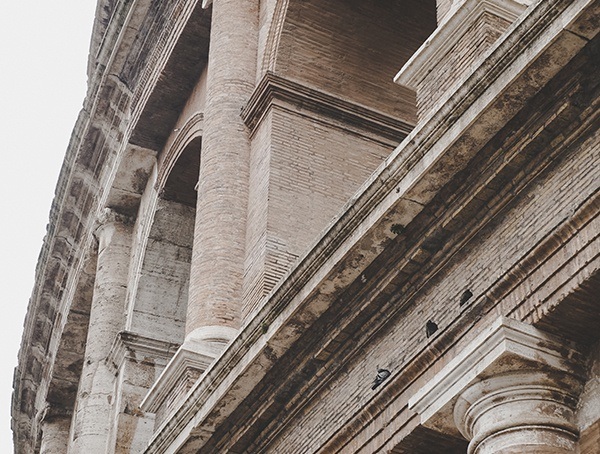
point(55, 435)
point(219, 242)
point(96, 389)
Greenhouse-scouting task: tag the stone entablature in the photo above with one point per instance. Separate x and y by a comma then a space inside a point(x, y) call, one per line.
point(186, 366)
point(491, 191)
point(277, 90)
point(514, 388)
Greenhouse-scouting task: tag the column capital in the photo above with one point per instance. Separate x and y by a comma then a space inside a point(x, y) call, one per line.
point(110, 216)
point(105, 224)
point(512, 386)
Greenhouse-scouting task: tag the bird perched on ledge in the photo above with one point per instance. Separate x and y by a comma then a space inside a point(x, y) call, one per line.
point(382, 375)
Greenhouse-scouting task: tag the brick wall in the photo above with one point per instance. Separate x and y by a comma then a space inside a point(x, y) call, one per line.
point(354, 49)
point(534, 215)
point(303, 170)
point(461, 60)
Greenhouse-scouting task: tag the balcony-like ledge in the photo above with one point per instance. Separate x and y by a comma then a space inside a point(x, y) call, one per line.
point(191, 360)
point(469, 29)
point(276, 90)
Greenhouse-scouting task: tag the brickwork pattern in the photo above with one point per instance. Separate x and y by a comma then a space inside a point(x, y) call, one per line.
point(219, 240)
point(336, 46)
point(490, 255)
point(461, 61)
point(295, 193)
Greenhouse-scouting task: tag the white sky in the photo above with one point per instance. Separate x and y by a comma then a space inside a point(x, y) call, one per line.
point(43, 55)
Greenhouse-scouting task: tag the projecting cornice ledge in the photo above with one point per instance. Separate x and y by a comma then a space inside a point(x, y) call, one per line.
point(512, 386)
point(276, 90)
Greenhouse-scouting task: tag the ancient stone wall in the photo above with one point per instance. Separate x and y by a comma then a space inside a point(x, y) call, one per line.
point(261, 243)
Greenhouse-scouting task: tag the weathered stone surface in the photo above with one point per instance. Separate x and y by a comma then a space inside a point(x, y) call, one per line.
point(282, 225)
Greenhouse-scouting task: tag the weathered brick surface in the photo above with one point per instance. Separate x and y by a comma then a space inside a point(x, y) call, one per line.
point(336, 46)
point(303, 170)
point(489, 256)
point(461, 60)
point(588, 414)
point(287, 117)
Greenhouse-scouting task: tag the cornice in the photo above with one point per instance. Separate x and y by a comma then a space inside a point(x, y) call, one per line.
point(454, 26)
point(505, 337)
point(130, 345)
point(160, 54)
point(186, 359)
point(276, 90)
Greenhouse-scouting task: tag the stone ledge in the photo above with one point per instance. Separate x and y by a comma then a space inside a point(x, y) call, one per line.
point(506, 347)
point(445, 40)
point(129, 345)
point(189, 363)
point(274, 89)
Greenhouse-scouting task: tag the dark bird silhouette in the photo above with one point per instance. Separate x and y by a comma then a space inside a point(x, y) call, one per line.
point(430, 328)
point(466, 296)
point(382, 374)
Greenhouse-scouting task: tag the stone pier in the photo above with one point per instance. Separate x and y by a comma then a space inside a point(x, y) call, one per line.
point(214, 303)
point(55, 434)
point(96, 390)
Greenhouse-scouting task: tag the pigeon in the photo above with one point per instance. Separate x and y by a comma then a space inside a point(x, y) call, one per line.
point(430, 328)
point(382, 374)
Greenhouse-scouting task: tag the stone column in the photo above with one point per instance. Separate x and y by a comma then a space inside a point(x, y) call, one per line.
point(107, 318)
point(513, 389)
point(55, 435)
point(213, 314)
point(521, 412)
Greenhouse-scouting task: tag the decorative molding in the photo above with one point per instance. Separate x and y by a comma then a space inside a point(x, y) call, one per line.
point(133, 346)
point(454, 26)
point(507, 346)
point(274, 89)
point(274, 36)
point(188, 132)
point(289, 297)
point(110, 216)
point(184, 361)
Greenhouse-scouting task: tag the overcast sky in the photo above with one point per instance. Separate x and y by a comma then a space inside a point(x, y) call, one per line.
point(43, 53)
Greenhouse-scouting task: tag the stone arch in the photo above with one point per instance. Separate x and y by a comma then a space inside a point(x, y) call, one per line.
point(186, 135)
point(350, 49)
point(157, 308)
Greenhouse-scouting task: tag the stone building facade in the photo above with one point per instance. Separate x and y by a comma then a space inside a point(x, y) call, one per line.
point(324, 226)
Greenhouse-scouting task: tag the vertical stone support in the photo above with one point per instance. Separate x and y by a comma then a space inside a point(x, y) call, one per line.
point(513, 389)
point(136, 361)
point(217, 265)
point(213, 314)
point(96, 389)
point(518, 412)
point(55, 435)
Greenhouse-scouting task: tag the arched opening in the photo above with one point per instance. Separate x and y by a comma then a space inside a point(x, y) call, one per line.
point(353, 49)
point(160, 306)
